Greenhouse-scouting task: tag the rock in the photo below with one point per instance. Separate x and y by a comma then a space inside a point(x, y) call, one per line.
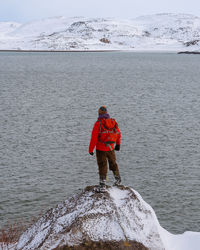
point(104, 40)
point(191, 43)
point(116, 219)
point(107, 245)
point(189, 52)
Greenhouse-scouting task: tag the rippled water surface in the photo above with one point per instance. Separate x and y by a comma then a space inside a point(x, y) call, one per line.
point(48, 104)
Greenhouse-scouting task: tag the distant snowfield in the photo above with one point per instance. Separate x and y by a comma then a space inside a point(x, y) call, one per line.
point(159, 32)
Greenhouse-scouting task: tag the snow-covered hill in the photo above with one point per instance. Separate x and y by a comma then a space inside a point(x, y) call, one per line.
point(117, 219)
point(172, 32)
point(7, 27)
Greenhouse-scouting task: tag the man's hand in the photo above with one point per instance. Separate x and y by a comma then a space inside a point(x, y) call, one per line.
point(117, 147)
point(91, 153)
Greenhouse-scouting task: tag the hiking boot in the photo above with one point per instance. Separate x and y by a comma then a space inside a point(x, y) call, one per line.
point(102, 185)
point(102, 181)
point(117, 180)
point(102, 189)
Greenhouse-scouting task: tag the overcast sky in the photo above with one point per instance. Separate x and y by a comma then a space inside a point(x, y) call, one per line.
point(28, 10)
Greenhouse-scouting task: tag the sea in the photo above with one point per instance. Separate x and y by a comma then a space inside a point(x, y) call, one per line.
point(48, 105)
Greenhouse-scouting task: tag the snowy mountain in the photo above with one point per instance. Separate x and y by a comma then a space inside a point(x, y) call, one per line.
point(7, 27)
point(117, 219)
point(172, 32)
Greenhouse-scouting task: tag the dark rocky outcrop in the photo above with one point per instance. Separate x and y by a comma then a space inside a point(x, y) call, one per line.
point(189, 52)
point(107, 245)
point(104, 40)
point(191, 43)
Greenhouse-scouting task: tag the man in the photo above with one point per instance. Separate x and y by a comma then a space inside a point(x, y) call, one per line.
point(105, 134)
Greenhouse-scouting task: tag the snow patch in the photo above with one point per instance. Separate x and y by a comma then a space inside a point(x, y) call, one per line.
point(185, 241)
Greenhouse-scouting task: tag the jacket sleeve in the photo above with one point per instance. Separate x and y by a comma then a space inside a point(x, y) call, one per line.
point(118, 142)
point(94, 137)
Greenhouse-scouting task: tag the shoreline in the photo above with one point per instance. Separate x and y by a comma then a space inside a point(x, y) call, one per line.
point(98, 51)
point(57, 51)
point(93, 51)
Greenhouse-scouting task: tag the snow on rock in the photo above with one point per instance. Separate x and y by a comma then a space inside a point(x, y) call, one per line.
point(116, 219)
point(8, 246)
point(173, 32)
point(119, 216)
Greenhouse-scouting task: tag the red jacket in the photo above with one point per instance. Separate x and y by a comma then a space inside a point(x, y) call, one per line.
point(99, 145)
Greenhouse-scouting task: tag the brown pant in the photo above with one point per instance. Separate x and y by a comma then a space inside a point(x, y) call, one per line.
point(102, 158)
